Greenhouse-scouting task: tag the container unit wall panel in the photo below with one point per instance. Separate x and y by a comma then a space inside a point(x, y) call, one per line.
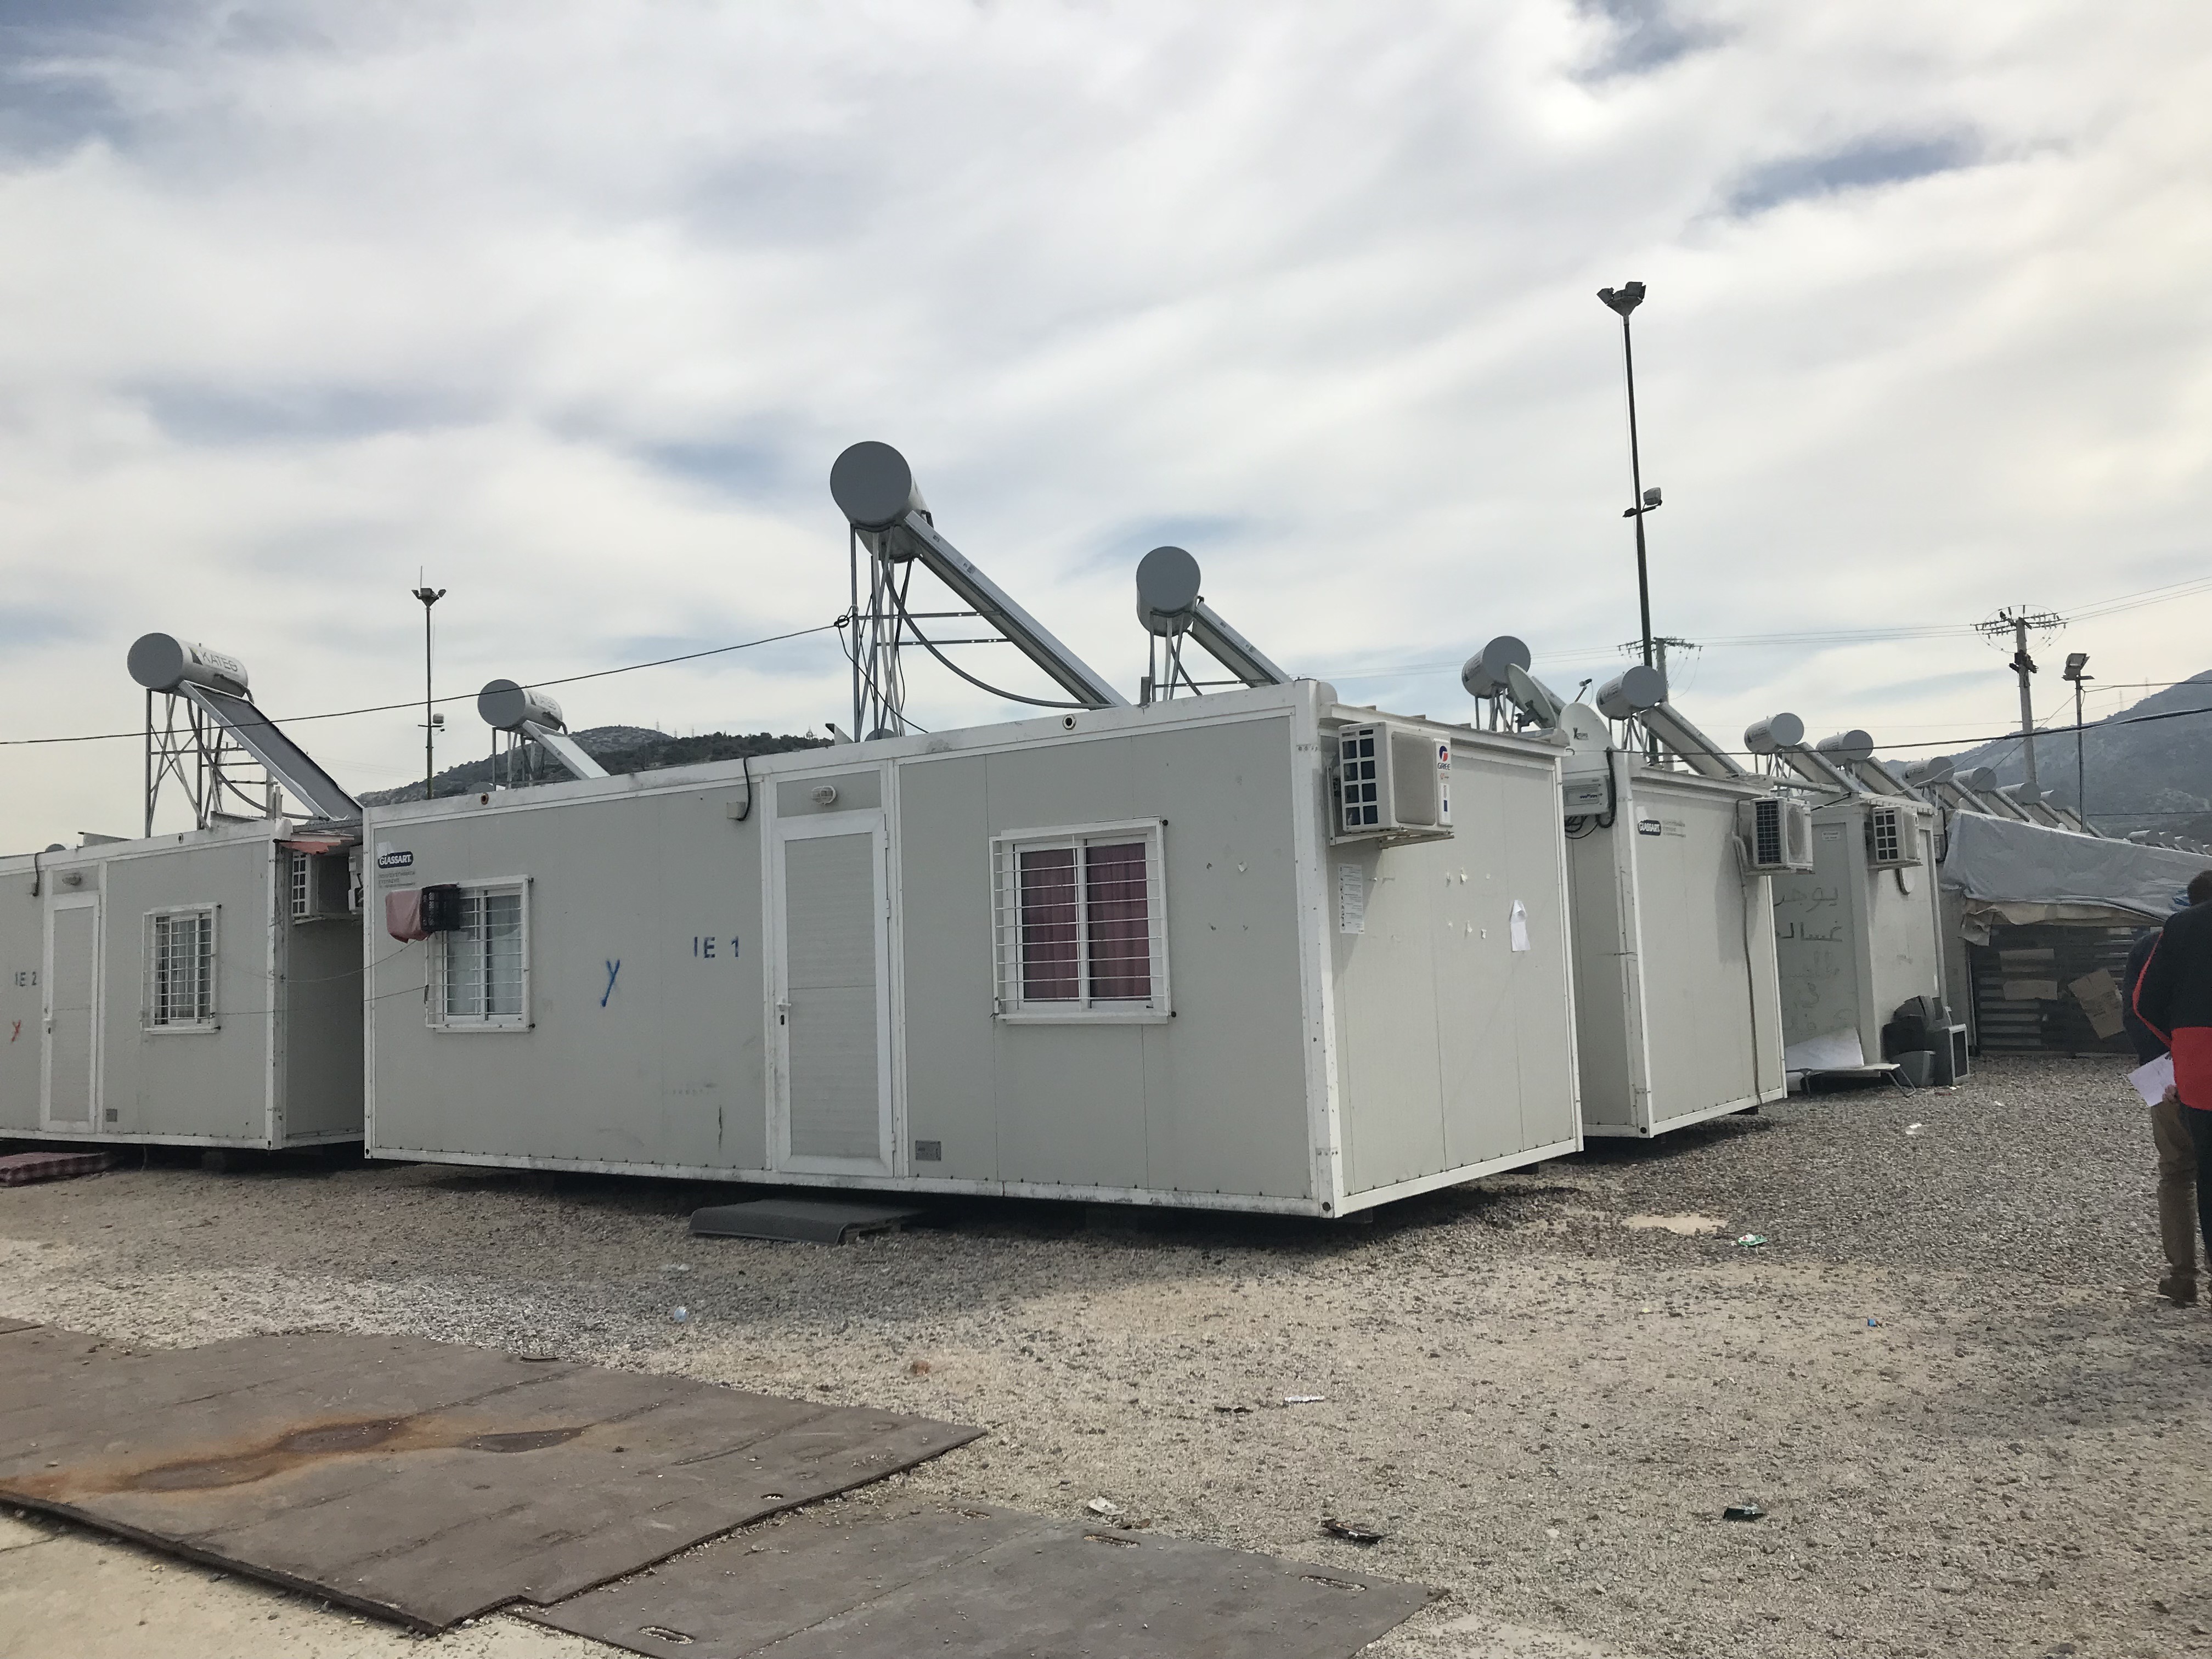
point(1853, 941)
point(22, 947)
point(1540, 1021)
point(1677, 1013)
point(1227, 1107)
point(1608, 988)
point(949, 980)
point(1454, 1049)
point(1238, 1099)
point(1712, 1020)
point(320, 1032)
point(1904, 933)
point(644, 939)
point(1213, 1100)
point(191, 1085)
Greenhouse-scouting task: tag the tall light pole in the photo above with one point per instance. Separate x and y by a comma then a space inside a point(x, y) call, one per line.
point(2077, 662)
point(1622, 300)
point(429, 596)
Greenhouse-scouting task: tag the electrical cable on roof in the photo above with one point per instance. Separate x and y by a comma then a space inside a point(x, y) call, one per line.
point(898, 603)
point(850, 646)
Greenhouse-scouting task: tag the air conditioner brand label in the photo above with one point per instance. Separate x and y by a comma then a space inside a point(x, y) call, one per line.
point(395, 861)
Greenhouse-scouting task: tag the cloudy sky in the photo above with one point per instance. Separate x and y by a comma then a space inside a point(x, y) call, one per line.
point(571, 306)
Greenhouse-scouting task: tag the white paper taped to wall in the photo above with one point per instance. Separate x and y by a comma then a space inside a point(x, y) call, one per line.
point(1520, 926)
point(1350, 899)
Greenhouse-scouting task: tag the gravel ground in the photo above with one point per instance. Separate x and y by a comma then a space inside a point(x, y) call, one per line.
point(1973, 1428)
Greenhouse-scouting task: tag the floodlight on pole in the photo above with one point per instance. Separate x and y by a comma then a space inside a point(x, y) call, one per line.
point(2076, 663)
point(431, 719)
point(1621, 301)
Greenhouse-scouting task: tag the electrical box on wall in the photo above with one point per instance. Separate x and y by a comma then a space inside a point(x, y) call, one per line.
point(1774, 836)
point(1586, 797)
point(1391, 782)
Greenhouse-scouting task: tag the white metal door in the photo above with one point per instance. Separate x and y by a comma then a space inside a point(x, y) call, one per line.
point(69, 1068)
point(830, 992)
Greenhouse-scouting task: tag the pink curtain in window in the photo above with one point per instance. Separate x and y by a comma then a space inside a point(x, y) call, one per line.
point(1047, 925)
point(1120, 923)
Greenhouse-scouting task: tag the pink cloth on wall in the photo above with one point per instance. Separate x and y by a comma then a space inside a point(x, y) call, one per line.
point(403, 915)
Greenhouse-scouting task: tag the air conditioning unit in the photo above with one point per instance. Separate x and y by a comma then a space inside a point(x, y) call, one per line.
point(322, 886)
point(1392, 782)
point(1774, 835)
point(1893, 840)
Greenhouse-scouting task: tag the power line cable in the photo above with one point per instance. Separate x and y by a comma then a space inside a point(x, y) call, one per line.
point(459, 696)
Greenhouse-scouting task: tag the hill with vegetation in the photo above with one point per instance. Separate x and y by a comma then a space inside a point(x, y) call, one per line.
point(620, 749)
point(2149, 767)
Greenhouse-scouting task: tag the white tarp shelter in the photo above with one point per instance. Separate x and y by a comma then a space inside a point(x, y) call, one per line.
point(2005, 872)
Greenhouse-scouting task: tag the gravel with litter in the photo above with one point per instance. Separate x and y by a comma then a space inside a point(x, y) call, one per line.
point(1971, 1427)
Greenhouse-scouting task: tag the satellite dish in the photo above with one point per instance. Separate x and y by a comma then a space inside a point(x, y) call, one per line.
point(1849, 747)
point(1484, 674)
point(1775, 732)
point(162, 662)
point(505, 705)
point(1166, 590)
point(873, 486)
point(1529, 695)
point(1632, 692)
point(1980, 778)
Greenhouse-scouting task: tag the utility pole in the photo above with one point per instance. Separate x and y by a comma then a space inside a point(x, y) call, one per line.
point(2076, 662)
point(2016, 622)
point(429, 596)
point(1659, 645)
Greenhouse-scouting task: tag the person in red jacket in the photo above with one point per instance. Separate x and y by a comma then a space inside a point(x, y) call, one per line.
point(2173, 998)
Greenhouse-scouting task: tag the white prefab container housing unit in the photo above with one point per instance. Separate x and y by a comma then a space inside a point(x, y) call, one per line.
point(1112, 955)
point(196, 988)
point(1861, 932)
point(1676, 1007)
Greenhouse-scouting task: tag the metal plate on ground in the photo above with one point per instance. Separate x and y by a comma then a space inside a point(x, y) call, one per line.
point(801, 1220)
point(424, 1481)
point(973, 1581)
point(20, 1169)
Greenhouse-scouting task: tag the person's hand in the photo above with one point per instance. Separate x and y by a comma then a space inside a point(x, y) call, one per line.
point(2172, 1096)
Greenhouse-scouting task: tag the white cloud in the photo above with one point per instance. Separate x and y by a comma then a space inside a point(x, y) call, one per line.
point(573, 305)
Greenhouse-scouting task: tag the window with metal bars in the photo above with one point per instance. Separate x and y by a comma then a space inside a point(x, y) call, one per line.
point(181, 969)
point(482, 966)
point(1081, 924)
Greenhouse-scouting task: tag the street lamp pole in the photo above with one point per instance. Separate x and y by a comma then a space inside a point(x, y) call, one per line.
point(2077, 662)
point(429, 596)
point(1622, 300)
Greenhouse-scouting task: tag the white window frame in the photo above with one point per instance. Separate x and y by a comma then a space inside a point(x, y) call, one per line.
point(1006, 885)
point(440, 949)
point(207, 1018)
